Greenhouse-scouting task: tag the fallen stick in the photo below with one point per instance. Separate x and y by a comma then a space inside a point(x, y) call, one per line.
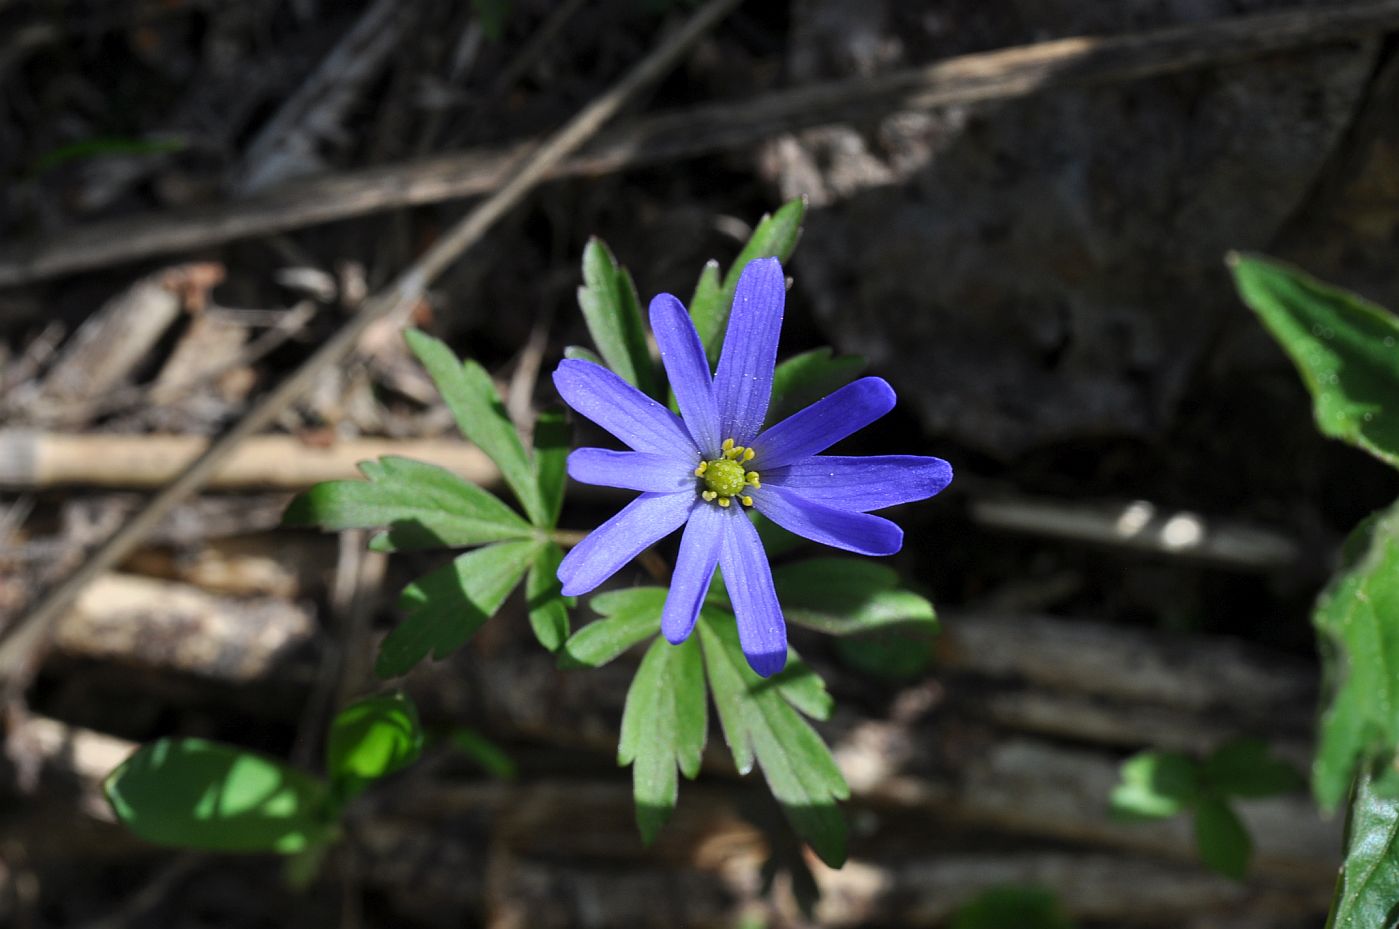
point(23, 639)
point(997, 75)
point(37, 460)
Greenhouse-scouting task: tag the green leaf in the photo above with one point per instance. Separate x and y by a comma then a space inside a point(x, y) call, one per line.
point(552, 441)
point(1221, 838)
point(663, 727)
point(191, 793)
point(447, 606)
point(580, 353)
point(472, 398)
point(803, 379)
point(1367, 893)
point(759, 724)
point(613, 314)
point(1155, 785)
point(548, 607)
point(1246, 768)
point(372, 738)
point(1345, 348)
point(843, 596)
point(1357, 621)
point(629, 616)
point(775, 237)
point(490, 756)
point(894, 655)
point(803, 688)
point(1011, 907)
point(422, 506)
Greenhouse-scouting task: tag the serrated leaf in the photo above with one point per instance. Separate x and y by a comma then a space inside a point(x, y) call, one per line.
point(1246, 768)
point(191, 793)
point(1221, 838)
point(663, 727)
point(447, 606)
point(481, 417)
point(774, 237)
point(1357, 620)
point(552, 442)
point(1155, 785)
point(759, 724)
point(1012, 907)
point(803, 379)
point(1367, 893)
point(803, 688)
point(629, 616)
point(372, 738)
point(612, 312)
point(1345, 348)
point(548, 607)
point(844, 596)
point(419, 504)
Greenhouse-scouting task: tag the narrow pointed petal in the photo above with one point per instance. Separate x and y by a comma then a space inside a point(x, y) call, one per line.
point(743, 382)
point(682, 353)
point(641, 523)
point(824, 423)
point(694, 567)
point(862, 483)
point(642, 471)
point(762, 633)
point(855, 532)
point(621, 409)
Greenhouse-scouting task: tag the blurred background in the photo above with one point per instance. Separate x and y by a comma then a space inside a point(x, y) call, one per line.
point(196, 195)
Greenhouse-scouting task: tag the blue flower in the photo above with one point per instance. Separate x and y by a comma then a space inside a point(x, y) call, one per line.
point(704, 468)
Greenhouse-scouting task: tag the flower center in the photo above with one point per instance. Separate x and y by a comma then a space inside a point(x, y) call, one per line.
point(725, 477)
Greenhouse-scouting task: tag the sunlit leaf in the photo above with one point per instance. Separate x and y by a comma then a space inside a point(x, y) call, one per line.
point(372, 738)
point(1155, 785)
point(1367, 895)
point(629, 616)
point(613, 313)
point(663, 727)
point(844, 596)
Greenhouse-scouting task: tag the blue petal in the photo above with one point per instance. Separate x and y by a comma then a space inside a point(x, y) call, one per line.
point(682, 353)
point(761, 630)
point(863, 483)
point(631, 470)
point(694, 567)
point(855, 532)
point(646, 520)
point(823, 424)
point(622, 410)
point(743, 383)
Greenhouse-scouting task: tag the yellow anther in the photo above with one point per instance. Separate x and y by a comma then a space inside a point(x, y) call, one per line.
point(709, 495)
point(723, 501)
point(727, 446)
point(751, 479)
point(703, 467)
point(748, 454)
point(747, 500)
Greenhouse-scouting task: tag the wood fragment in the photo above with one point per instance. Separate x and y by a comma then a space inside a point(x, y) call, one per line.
point(1001, 74)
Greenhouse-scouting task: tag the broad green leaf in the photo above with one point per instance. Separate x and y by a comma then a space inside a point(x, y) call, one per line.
point(628, 616)
point(191, 793)
point(1012, 907)
point(1345, 348)
point(613, 314)
point(775, 237)
point(1246, 768)
point(490, 756)
point(1357, 621)
point(472, 398)
point(419, 504)
point(803, 688)
point(552, 442)
point(1155, 785)
point(1221, 838)
point(372, 738)
point(759, 724)
point(842, 596)
point(663, 727)
point(894, 655)
point(548, 607)
point(1367, 893)
point(803, 379)
point(447, 606)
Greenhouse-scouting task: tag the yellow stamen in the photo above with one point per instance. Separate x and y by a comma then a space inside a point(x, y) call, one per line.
point(751, 479)
point(727, 447)
point(747, 500)
point(748, 454)
point(723, 501)
point(709, 495)
point(703, 467)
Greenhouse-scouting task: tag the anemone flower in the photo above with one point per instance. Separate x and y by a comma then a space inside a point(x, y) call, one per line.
point(705, 468)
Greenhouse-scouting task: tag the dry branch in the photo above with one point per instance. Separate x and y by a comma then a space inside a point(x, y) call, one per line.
point(997, 75)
